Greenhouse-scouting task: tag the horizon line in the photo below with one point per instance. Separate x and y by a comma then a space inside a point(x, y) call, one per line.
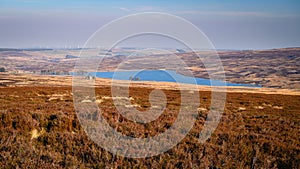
point(131, 47)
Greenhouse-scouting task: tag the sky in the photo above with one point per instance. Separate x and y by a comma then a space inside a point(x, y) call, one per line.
point(230, 24)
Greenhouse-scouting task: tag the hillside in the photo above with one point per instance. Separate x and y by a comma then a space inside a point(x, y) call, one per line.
point(276, 68)
point(39, 128)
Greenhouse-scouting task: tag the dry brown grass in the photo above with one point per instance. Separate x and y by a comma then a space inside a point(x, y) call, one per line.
point(265, 134)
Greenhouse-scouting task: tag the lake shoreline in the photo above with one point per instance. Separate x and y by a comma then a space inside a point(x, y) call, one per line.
point(15, 80)
point(163, 75)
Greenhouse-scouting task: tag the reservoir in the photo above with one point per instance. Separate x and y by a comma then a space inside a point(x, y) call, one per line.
point(163, 76)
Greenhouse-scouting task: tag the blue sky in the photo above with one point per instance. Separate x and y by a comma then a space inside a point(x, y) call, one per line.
point(231, 24)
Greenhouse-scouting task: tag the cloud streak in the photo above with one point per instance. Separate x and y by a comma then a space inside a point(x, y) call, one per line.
point(235, 14)
point(141, 9)
point(124, 9)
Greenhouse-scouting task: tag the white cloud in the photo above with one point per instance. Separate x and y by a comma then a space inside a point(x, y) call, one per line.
point(124, 9)
point(148, 8)
point(141, 9)
point(234, 13)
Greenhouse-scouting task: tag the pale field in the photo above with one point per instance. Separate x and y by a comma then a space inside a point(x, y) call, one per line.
point(43, 80)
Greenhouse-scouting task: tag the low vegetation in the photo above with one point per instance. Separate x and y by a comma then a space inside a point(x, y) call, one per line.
point(2, 69)
point(39, 127)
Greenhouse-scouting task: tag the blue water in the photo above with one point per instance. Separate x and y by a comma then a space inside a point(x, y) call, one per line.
point(163, 76)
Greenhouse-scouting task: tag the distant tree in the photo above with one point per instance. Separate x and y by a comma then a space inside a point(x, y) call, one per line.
point(135, 78)
point(43, 72)
point(2, 69)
